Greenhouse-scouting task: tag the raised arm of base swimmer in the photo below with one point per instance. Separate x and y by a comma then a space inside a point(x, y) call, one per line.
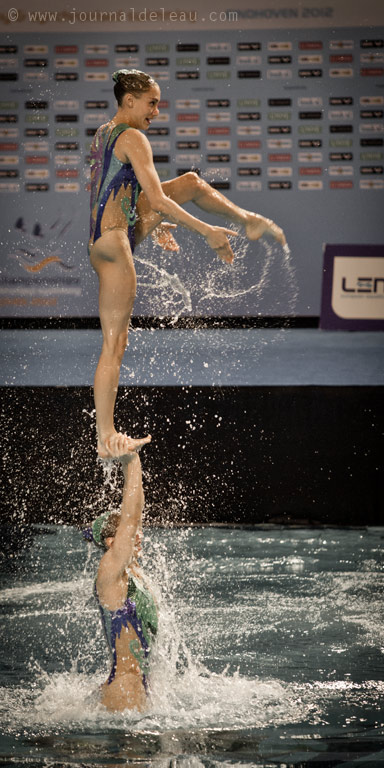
point(121, 546)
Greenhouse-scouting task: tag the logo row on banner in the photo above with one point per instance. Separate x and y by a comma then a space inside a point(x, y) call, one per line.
point(276, 142)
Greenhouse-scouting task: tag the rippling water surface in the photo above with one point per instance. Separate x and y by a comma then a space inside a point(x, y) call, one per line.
point(270, 652)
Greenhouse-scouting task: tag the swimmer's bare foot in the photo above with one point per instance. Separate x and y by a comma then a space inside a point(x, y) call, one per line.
point(118, 444)
point(257, 225)
point(163, 236)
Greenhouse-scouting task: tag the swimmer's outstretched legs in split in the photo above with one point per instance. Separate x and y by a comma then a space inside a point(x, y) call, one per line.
point(191, 188)
point(111, 258)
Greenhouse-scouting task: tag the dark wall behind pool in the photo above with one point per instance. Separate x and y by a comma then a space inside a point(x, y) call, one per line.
point(234, 455)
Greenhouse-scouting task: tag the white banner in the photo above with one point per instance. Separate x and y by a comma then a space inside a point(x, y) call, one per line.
point(358, 287)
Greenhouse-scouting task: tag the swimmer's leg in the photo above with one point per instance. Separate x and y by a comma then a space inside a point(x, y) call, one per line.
point(191, 188)
point(111, 258)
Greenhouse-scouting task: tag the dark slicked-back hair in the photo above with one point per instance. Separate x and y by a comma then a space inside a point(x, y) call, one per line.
point(131, 81)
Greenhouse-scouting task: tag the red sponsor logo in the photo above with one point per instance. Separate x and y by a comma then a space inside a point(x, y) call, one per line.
point(163, 104)
point(67, 173)
point(249, 144)
point(309, 171)
point(341, 184)
point(8, 146)
point(341, 58)
point(372, 72)
point(222, 131)
point(310, 45)
point(36, 160)
point(280, 157)
point(96, 62)
point(66, 48)
point(194, 117)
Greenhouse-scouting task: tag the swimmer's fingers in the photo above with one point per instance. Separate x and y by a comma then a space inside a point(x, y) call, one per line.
point(225, 253)
point(278, 234)
point(163, 236)
point(217, 239)
point(230, 232)
point(120, 445)
point(132, 455)
point(134, 444)
point(168, 224)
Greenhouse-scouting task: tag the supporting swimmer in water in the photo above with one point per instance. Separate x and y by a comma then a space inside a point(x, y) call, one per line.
point(128, 609)
point(128, 202)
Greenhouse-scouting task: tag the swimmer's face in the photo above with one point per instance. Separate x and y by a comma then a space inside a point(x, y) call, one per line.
point(143, 109)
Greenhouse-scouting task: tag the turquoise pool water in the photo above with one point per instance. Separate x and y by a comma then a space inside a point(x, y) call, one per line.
point(270, 652)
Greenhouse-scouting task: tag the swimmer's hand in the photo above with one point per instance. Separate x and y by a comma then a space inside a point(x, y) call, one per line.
point(217, 238)
point(256, 226)
point(163, 237)
point(118, 444)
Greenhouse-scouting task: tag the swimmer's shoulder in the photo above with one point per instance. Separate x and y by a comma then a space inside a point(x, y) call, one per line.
point(134, 137)
point(98, 135)
point(102, 128)
point(134, 143)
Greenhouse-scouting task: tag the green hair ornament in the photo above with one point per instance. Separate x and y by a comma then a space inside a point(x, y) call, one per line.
point(93, 532)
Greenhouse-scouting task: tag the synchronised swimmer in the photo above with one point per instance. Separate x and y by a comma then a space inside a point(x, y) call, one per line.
point(128, 202)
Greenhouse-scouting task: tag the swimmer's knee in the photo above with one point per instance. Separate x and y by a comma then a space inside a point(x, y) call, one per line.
point(193, 179)
point(190, 180)
point(196, 184)
point(122, 342)
point(116, 343)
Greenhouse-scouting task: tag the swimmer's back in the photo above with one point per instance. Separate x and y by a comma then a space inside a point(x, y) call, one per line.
point(114, 186)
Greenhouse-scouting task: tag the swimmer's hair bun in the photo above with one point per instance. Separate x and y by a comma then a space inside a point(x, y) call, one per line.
point(131, 81)
point(116, 75)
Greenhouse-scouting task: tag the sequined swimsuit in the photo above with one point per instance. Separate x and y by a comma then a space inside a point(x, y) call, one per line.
point(138, 611)
point(111, 206)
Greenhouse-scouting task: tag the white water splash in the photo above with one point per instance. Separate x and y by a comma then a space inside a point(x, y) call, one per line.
point(261, 278)
point(169, 286)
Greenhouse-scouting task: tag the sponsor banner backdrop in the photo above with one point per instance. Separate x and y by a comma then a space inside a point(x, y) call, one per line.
point(353, 288)
point(286, 122)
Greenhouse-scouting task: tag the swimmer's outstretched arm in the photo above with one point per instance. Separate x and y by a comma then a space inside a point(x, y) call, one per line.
point(120, 554)
point(139, 154)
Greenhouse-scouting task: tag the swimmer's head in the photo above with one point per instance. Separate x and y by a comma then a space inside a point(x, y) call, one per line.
point(103, 531)
point(131, 81)
point(103, 527)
